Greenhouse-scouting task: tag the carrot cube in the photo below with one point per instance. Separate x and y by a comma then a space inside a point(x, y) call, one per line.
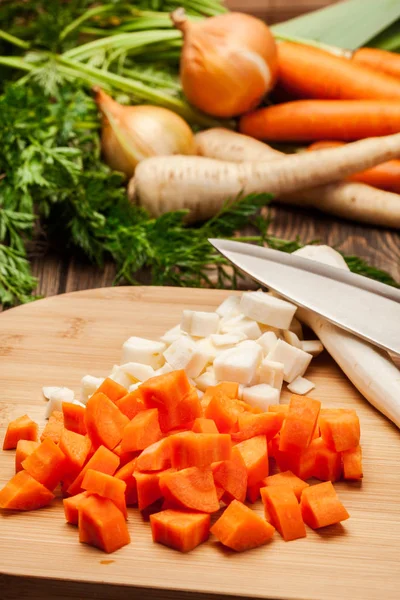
point(320, 506)
point(76, 448)
point(22, 428)
point(180, 530)
point(23, 492)
point(231, 476)
point(251, 425)
point(156, 457)
point(113, 390)
point(253, 491)
point(106, 486)
point(255, 455)
point(284, 510)
point(224, 411)
point(74, 417)
point(299, 425)
point(190, 449)
point(328, 463)
point(24, 449)
point(102, 524)
point(131, 404)
point(126, 474)
point(240, 528)
point(192, 488)
point(53, 427)
point(352, 463)
point(289, 479)
point(46, 464)
point(104, 422)
point(142, 431)
point(279, 408)
point(103, 460)
point(340, 428)
point(71, 507)
point(202, 425)
point(148, 488)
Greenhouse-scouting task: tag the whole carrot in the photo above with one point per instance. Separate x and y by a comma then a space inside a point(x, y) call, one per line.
point(385, 176)
point(307, 120)
point(378, 60)
point(309, 72)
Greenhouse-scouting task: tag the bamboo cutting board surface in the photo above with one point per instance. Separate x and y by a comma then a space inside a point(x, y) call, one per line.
point(58, 340)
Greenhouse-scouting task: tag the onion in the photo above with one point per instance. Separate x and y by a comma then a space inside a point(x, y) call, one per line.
point(228, 62)
point(132, 133)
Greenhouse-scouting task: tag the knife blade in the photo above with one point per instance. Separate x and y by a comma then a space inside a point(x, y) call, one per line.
point(367, 308)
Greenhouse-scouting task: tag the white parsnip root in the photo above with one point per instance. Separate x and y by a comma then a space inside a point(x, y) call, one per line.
point(224, 144)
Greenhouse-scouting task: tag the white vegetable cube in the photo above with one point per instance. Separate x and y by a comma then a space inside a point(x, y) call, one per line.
point(56, 399)
point(301, 386)
point(313, 347)
point(89, 385)
point(261, 396)
point(166, 368)
point(186, 354)
point(137, 372)
point(297, 328)
point(229, 307)
point(146, 352)
point(172, 334)
point(240, 324)
point(224, 340)
point(134, 386)
point(271, 373)
point(295, 361)
point(267, 309)
point(48, 390)
point(238, 364)
point(198, 323)
point(120, 376)
point(77, 403)
point(291, 338)
point(206, 346)
point(267, 341)
point(205, 380)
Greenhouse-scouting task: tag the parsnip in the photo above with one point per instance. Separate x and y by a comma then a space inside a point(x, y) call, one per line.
point(224, 144)
point(370, 369)
point(203, 185)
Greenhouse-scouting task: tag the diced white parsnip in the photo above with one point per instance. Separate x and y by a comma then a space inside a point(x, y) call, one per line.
point(297, 328)
point(199, 323)
point(271, 373)
point(206, 346)
point(172, 334)
point(241, 388)
point(301, 386)
point(56, 398)
point(141, 350)
point(240, 324)
point(313, 347)
point(185, 354)
point(227, 339)
point(267, 341)
point(267, 309)
point(238, 364)
point(89, 385)
point(261, 396)
point(205, 380)
point(47, 390)
point(137, 371)
point(291, 338)
point(295, 361)
point(120, 376)
point(166, 368)
point(229, 307)
point(134, 386)
point(78, 403)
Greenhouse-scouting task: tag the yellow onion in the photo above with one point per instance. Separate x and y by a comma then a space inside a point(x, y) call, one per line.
point(132, 133)
point(228, 62)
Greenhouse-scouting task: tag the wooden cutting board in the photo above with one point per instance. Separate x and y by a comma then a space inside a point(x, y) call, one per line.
point(58, 340)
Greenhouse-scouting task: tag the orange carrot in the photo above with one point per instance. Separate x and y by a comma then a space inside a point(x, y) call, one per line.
point(385, 176)
point(328, 463)
point(22, 428)
point(279, 408)
point(352, 463)
point(240, 528)
point(113, 390)
point(300, 462)
point(142, 431)
point(71, 507)
point(102, 524)
point(308, 72)
point(190, 449)
point(74, 417)
point(131, 404)
point(231, 476)
point(228, 388)
point(156, 457)
point(53, 427)
point(251, 425)
point(104, 422)
point(46, 464)
point(320, 506)
point(299, 425)
point(125, 473)
point(106, 486)
point(103, 460)
point(306, 120)
point(202, 425)
point(224, 411)
point(253, 492)
point(124, 457)
point(24, 449)
point(191, 488)
point(76, 448)
point(378, 60)
point(179, 529)
point(284, 510)
point(23, 492)
point(148, 487)
point(340, 428)
point(288, 479)
point(255, 455)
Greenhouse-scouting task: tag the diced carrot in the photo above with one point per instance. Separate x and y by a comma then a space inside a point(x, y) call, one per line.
point(279, 408)
point(103, 460)
point(156, 457)
point(172, 394)
point(190, 449)
point(142, 431)
point(53, 427)
point(300, 462)
point(273, 446)
point(224, 411)
point(253, 492)
point(328, 463)
point(284, 510)
point(106, 486)
point(352, 463)
point(71, 506)
point(192, 488)
point(148, 487)
point(74, 417)
point(113, 390)
point(240, 528)
point(24, 449)
point(340, 428)
point(104, 421)
point(124, 457)
point(76, 448)
point(131, 404)
point(179, 529)
point(255, 455)
point(202, 425)
point(289, 479)
point(23, 492)
point(220, 492)
point(102, 524)
point(300, 422)
point(228, 388)
point(320, 506)
point(22, 428)
point(46, 464)
point(251, 425)
point(231, 475)
point(125, 473)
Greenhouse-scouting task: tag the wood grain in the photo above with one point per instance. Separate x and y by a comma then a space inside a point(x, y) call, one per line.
point(57, 340)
